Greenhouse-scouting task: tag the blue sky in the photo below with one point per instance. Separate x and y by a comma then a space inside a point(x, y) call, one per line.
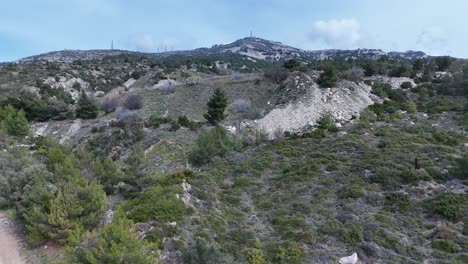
point(33, 27)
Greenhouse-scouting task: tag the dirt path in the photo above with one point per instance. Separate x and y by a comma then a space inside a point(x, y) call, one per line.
point(9, 243)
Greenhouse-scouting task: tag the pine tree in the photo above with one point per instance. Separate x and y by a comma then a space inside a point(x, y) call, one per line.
point(14, 122)
point(216, 106)
point(116, 242)
point(86, 109)
point(328, 77)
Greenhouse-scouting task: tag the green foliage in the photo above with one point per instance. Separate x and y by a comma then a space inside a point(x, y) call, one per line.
point(461, 170)
point(201, 252)
point(116, 242)
point(216, 106)
point(108, 174)
point(156, 203)
point(447, 205)
point(326, 122)
point(443, 63)
point(445, 245)
point(37, 108)
point(215, 142)
point(294, 65)
point(411, 107)
point(255, 256)
point(289, 255)
point(397, 201)
point(328, 77)
point(87, 108)
point(156, 121)
point(55, 211)
point(13, 122)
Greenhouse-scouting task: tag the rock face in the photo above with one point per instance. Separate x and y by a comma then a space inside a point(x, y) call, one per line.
point(343, 102)
point(349, 260)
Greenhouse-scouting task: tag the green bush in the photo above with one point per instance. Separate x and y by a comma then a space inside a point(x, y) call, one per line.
point(156, 203)
point(116, 242)
point(13, 121)
point(87, 108)
point(327, 122)
point(328, 77)
point(215, 142)
point(445, 245)
point(201, 252)
point(447, 205)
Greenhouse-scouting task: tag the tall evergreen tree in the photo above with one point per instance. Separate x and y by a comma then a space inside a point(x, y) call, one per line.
point(216, 106)
point(87, 108)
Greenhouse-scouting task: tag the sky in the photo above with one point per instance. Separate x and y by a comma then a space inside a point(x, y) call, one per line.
point(31, 27)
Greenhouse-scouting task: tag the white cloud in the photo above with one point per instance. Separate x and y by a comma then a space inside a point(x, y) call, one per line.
point(143, 42)
point(337, 33)
point(433, 40)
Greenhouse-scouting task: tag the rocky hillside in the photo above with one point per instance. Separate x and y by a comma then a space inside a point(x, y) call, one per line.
point(230, 155)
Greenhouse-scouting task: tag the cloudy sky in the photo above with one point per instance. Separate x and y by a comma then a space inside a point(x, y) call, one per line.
point(29, 27)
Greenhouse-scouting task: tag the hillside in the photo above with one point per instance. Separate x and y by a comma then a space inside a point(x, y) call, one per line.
point(316, 155)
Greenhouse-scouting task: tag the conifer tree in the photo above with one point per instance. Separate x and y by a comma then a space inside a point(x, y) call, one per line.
point(116, 242)
point(14, 122)
point(87, 108)
point(216, 106)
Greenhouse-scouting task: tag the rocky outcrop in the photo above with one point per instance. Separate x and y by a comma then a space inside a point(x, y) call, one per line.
point(344, 102)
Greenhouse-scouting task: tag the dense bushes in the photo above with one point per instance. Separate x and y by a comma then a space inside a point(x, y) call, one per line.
point(447, 205)
point(215, 142)
point(157, 203)
point(54, 207)
point(277, 74)
point(39, 109)
point(201, 252)
point(13, 121)
point(116, 242)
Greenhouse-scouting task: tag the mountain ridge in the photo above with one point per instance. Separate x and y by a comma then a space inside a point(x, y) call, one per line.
point(252, 47)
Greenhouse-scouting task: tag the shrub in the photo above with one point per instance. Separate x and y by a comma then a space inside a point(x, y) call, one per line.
point(116, 242)
point(240, 106)
point(133, 102)
point(328, 77)
point(87, 108)
point(255, 256)
point(126, 117)
point(406, 85)
point(201, 252)
point(192, 80)
point(411, 107)
point(156, 121)
point(445, 245)
point(397, 201)
point(215, 142)
point(461, 170)
point(167, 87)
point(109, 104)
point(277, 74)
point(216, 106)
point(13, 122)
point(156, 203)
point(447, 205)
point(326, 122)
point(55, 210)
